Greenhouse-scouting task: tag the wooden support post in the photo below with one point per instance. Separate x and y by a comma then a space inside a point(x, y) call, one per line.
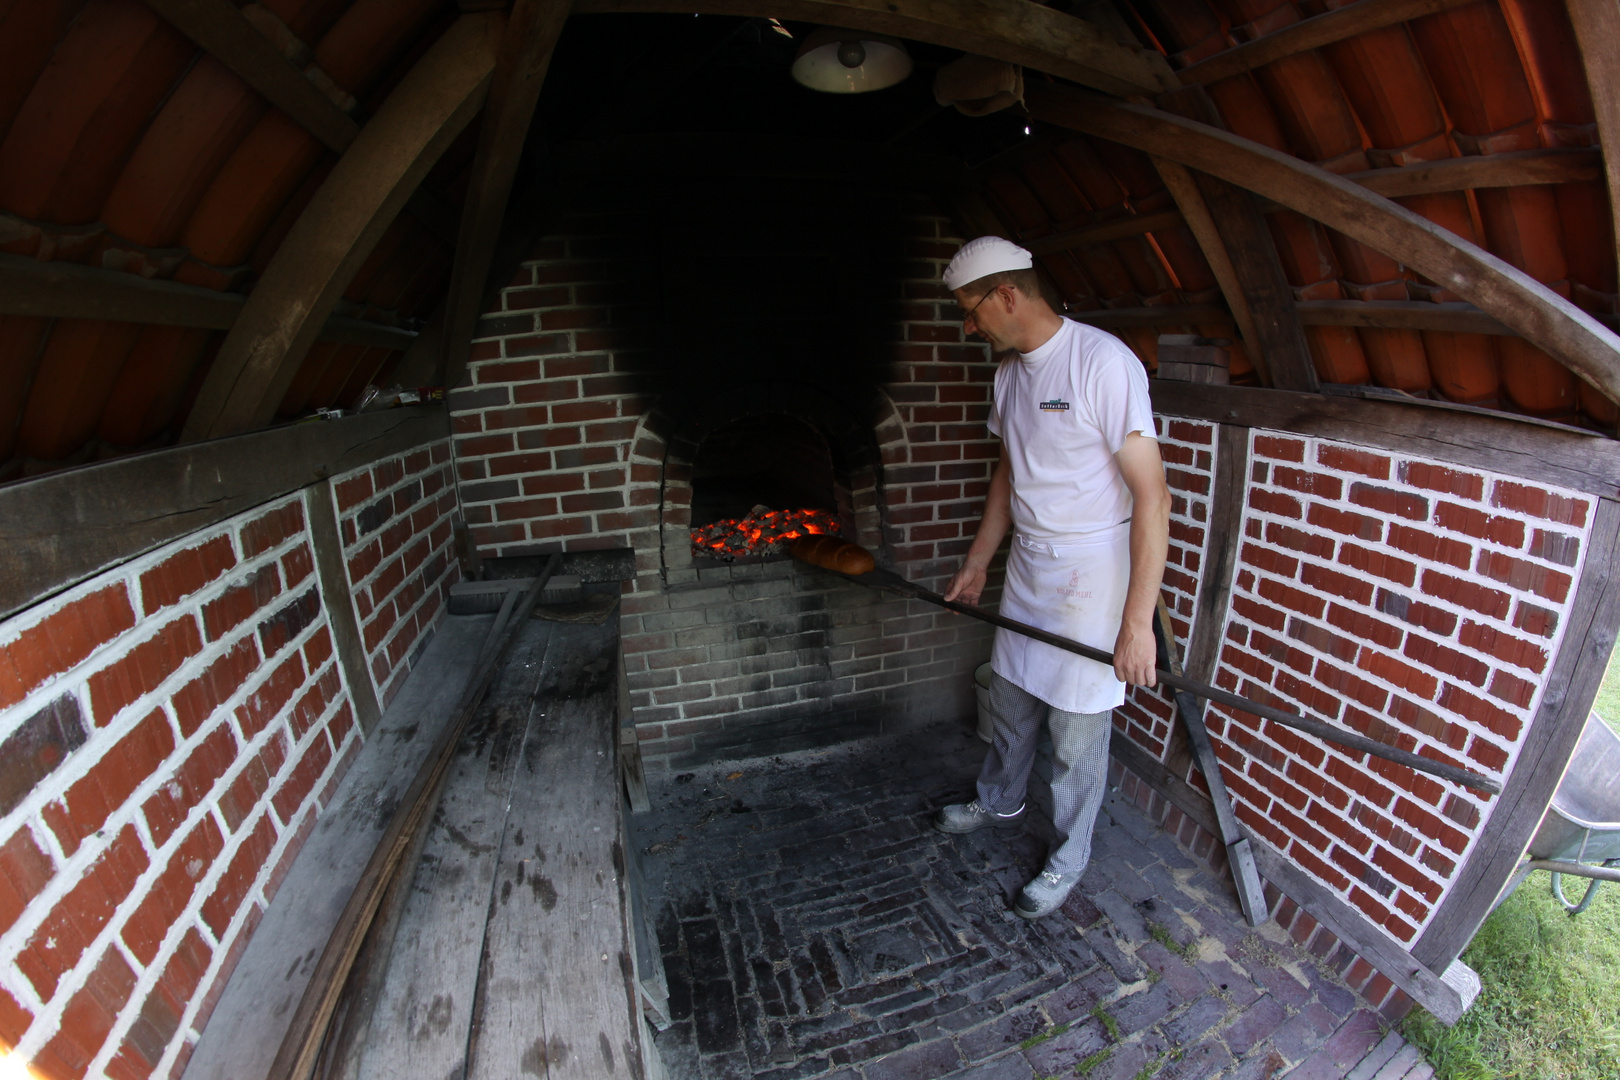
point(1521, 303)
point(1597, 29)
point(1101, 234)
point(1272, 332)
point(333, 237)
point(1184, 189)
point(320, 511)
point(525, 54)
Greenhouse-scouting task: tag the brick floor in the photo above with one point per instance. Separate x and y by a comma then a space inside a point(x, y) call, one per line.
point(813, 924)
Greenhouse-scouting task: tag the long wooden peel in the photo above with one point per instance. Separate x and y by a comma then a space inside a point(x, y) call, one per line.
point(301, 1046)
point(888, 579)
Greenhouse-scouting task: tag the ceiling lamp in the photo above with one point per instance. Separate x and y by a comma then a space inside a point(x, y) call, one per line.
point(838, 61)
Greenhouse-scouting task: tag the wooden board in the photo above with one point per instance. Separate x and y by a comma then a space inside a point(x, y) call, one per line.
point(250, 1020)
point(424, 1014)
point(1597, 28)
point(1566, 700)
point(337, 594)
point(1513, 445)
point(557, 998)
point(52, 290)
point(64, 527)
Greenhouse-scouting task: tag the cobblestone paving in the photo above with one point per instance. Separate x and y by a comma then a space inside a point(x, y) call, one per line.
point(813, 924)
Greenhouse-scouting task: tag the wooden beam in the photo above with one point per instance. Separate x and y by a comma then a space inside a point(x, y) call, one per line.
point(1272, 331)
point(63, 527)
point(1523, 304)
point(224, 32)
point(1184, 189)
point(1101, 234)
point(1017, 31)
point(1597, 28)
point(525, 54)
point(69, 291)
point(1372, 314)
point(1516, 168)
point(1312, 33)
point(1522, 446)
point(335, 234)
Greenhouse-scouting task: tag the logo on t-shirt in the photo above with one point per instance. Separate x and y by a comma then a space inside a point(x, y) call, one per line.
point(1054, 405)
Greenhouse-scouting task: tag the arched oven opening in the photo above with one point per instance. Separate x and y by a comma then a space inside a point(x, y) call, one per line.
point(762, 481)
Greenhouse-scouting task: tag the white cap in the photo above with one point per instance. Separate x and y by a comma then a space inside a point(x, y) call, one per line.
point(985, 256)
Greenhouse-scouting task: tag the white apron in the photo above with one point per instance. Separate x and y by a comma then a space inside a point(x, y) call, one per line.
point(1077, 590)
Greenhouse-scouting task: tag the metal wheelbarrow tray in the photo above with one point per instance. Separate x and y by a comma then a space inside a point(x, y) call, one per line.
point(1582, 824)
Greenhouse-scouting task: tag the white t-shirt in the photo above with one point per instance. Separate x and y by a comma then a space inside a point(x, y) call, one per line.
point(1062, 412)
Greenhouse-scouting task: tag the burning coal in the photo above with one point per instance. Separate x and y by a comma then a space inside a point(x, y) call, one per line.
point(763, 532)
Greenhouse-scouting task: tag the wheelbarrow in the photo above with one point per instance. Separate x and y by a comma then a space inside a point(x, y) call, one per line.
point(1580, 834)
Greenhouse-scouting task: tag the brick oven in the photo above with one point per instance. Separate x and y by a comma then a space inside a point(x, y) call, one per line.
point(586, 427)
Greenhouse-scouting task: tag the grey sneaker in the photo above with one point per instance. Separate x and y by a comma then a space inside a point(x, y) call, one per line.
point(970, 816)
point(1044, 894)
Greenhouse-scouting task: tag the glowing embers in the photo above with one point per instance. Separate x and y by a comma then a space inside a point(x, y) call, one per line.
point(763, 533)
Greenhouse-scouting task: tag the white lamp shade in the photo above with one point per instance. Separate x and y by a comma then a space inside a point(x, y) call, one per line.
point(819, 66)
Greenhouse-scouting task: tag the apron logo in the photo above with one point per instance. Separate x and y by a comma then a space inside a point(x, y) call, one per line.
point(1054, 406)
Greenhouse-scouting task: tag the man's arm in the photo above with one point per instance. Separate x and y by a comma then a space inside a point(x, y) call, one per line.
point(1143, 471)
point(968, 584)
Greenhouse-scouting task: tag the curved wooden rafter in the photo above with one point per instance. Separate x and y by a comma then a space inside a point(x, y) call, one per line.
point(1017, 31)
point(336, 232)
point(1597, 28)
point(1497, 288)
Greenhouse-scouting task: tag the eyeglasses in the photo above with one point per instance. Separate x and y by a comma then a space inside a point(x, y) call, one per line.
point(966, 315)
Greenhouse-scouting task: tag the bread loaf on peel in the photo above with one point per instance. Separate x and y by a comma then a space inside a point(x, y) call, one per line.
point(833, 553)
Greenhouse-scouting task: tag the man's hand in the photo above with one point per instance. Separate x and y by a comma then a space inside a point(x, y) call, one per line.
point(968, 584)
point(1135, 655)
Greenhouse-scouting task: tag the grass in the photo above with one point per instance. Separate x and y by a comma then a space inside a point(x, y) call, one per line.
point(1108, 1022)
point(1550, 1008)
point(1049, 1033)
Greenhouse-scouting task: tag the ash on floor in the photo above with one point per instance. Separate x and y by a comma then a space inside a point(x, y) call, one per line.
point(814, 924)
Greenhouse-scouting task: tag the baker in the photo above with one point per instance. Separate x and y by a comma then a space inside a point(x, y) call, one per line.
point(1081, 484)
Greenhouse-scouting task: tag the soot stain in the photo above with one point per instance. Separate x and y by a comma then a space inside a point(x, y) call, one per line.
point(544, 891)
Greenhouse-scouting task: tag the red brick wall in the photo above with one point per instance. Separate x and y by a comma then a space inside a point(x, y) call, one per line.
point(1417, 602)
point(170, 731)
point(394, 518)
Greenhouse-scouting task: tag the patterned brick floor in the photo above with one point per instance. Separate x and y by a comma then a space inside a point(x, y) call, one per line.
point(812, 924)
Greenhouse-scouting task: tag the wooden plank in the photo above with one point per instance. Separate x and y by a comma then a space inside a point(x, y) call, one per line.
point(1523, 304)
point(1514, 445)
point(1377, 314)
point(1017, 31)
point(220, 28)
point(1157, 315)
point(296, 1056)
point(1566, 700)
point(332, 238)
point(557, 997)
point(1597, 28)
point(424, 1016)
point(520, 70)
point(320, 513)
point(52, 290)
point(1515, 168)
point(257, 1003)
point(1218, 572)
point(1312, 33)
point(64, 527)
point(1184, 189)
point(1101, 234)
